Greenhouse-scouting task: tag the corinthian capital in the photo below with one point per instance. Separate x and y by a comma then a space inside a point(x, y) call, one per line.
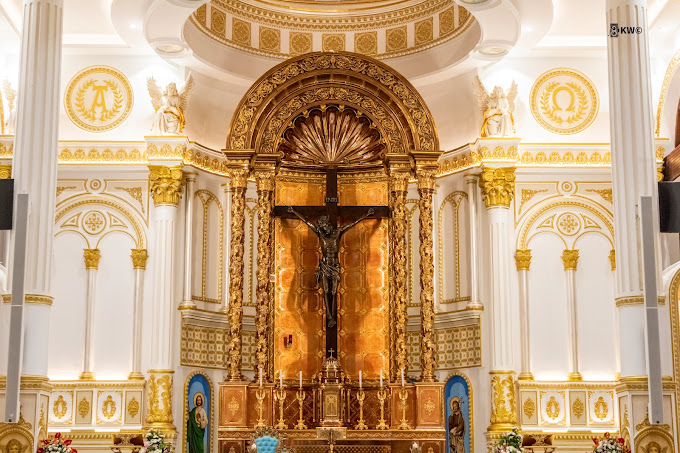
point(92, 257)
point(166, 184)
point(498, 186)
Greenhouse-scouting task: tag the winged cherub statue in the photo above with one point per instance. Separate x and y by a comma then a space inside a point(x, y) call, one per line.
point(497, 108)
point(10, 121)
point(169, 119)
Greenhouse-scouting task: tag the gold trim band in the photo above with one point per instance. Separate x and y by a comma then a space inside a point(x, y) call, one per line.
point(39, 299)
point(636, 300)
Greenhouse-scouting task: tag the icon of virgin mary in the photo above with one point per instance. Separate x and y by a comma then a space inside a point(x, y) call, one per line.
point(196, 425)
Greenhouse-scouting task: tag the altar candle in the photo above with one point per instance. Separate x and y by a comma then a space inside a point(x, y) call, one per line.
point(281, 378)
point(260, 376)
point(381, 381)
point(300, 379)
point(360, 382)
point(402, 378)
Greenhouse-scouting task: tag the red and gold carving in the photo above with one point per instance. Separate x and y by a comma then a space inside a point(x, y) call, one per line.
point(397, 406)
point(430, 410)
point(233, 405)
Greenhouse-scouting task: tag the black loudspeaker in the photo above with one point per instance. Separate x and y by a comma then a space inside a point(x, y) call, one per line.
point(6, 203)
point(669, 206)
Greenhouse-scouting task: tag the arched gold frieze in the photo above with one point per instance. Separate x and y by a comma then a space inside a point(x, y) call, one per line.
point(340, 78)
point(96, 217)
point(455, 200)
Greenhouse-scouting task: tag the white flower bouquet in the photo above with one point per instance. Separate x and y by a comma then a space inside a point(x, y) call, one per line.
point(610, 445)
point(510, 443)
point(56, 445)
point(154, 441)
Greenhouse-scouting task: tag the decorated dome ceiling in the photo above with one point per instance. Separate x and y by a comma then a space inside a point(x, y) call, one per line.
point(281, 29)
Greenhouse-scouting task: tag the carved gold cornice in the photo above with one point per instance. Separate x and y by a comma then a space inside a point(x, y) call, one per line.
point(523, 259)
point(5, 171)
point(636, 300)
point(92, 257)
point(30, 299)
point(498, 186)
point(166, 184)
point(139, 258)
point(570, 259)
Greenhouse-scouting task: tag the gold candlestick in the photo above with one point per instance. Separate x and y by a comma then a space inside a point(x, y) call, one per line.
point(260, 394)
point(301, 398)
point(281, 396)
point(360, 397)
point(403, 396)
point(382, 396)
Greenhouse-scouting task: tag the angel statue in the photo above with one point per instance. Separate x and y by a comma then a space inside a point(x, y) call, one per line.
point(9, 126)
point(497, 108)
point(169, 119)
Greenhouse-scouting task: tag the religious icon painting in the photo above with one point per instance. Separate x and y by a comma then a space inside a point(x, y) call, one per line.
point(458, 400)
point(197, 409)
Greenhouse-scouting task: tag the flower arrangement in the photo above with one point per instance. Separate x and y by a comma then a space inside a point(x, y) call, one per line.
point(154, 441)
point(511, 442)
point(56, 445)
point(610, 445)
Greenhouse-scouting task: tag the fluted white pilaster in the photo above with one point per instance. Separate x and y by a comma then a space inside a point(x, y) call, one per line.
point(35, 163)
point(187, 300)
point(501, 300)
point(162, 263)
point(570, 260)
point(523, 261)
point(633, 170)
point(473, 201)
point(139, 258)
point(92, 257)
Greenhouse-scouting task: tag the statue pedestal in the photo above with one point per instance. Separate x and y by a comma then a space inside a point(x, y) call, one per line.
point(499, 151)
point(234, 404)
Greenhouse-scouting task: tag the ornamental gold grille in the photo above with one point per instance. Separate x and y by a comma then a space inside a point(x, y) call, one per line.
point(332, 136)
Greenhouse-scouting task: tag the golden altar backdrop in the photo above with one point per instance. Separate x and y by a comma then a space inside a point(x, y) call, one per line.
point(363, 296)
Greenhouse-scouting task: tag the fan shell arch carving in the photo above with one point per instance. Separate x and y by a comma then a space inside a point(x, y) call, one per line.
point(341, 79)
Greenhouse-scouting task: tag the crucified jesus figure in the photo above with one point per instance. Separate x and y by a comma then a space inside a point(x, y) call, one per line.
point(328, 273)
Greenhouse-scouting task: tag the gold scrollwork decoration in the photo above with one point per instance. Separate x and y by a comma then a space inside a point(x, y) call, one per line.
point(552, 408)
point(60, 407)
point(498, 186)
point(109, 407)
point(578, 408)
point(529, 407)
point(601, 408)
point(84, 407)
point(166, 184)
point(133, 407)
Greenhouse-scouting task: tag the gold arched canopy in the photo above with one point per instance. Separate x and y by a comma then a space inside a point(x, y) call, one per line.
point(340, 78)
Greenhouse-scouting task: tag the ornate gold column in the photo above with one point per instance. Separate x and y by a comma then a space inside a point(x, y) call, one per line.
point(400, 172)
point(139, 258)
point(498, 187)
point(166, 183)
point(570, 260)
point(92, 257)
point(426, 166)
point(265, 166)
point(523, 262)
point(239, 164)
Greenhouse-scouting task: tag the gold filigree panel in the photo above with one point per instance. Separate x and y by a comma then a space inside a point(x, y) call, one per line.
point(363, 299)
point(366, 43)
point(298, 303)
point(98, 99)
point(300, 43)
point(564, 101)
point(298, 31)
point(270, 39)
point(332, 42)
point(203, 346)
point(459, 346)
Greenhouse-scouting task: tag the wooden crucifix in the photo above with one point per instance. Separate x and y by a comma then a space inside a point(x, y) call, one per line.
point(329, 233)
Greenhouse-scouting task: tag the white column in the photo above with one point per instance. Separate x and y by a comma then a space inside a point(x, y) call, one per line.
point(226, 203)
point(92, 257)
point(499, 242)
point(187, 300)
point(570, 260)
point(35, 165)
point(633, 170)
point(523, 262)
point(166, 187)
point(498, 187)
point(139, 258)
point(473, 201)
